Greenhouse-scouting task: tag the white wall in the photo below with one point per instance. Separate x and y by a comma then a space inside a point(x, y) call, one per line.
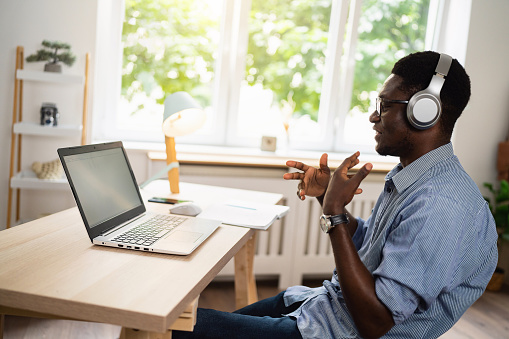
point(485, 122)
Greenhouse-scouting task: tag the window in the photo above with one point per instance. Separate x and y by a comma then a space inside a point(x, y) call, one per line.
point(168, 46)
point(386, 32)
point(306, 71)
point(282, 71)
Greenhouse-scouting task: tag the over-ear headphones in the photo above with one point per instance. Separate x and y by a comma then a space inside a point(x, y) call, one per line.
point(424, 107)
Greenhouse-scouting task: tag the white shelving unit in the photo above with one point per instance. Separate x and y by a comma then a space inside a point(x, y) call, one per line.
point(22, 74)
point(27, 179)
point(31, 128)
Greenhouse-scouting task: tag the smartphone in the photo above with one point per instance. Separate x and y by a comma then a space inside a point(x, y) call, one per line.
point(166, 200)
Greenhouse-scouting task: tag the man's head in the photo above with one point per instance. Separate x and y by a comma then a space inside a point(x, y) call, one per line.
point(416, 71)
point(395, 135)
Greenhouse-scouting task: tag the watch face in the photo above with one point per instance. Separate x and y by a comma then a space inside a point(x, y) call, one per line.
point(325, 223)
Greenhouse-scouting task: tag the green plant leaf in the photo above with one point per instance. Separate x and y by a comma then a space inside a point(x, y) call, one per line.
point(55, 44)
point(500, 207)
point(50, 53)
point(503, 192)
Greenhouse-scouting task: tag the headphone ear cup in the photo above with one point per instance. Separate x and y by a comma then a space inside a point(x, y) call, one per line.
point(423, 110)
point(424, 107)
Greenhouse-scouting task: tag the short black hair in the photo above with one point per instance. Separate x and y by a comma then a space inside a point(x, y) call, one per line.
point(417, 69)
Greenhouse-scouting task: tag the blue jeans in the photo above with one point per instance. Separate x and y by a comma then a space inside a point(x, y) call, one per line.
point(263, 319)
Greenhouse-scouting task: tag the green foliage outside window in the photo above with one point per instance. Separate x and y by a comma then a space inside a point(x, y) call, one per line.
point(388, 30)
point(171, 45)
point(168, 43)
point(286, 50)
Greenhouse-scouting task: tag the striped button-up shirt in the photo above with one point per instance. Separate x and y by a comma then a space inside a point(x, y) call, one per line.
point(430, 244)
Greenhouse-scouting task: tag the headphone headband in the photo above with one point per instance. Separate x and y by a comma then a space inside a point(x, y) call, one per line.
point(444, 64)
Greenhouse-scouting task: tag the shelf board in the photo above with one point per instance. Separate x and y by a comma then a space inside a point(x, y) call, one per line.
point(32, 128)
point(24, 74)
point(28, 179)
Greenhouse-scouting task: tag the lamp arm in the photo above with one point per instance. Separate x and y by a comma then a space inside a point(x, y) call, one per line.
point(169, 167)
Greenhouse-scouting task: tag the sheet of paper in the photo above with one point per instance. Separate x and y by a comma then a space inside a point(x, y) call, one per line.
point(245, 213)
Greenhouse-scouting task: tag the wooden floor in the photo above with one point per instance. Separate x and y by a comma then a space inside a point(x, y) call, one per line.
point(487, 318)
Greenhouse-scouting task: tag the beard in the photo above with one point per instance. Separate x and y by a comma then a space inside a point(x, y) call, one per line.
point(397, 148)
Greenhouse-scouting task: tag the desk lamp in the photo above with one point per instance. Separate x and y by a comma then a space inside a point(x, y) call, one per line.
point(182, 116)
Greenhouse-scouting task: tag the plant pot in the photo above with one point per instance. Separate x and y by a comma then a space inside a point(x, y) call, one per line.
point(53, 67)
point(496, 281)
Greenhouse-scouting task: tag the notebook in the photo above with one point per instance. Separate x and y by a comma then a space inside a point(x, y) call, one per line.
point(112, 209)
point(246, 213)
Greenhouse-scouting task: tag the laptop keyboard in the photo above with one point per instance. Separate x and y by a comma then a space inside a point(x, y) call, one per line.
point(150, 231)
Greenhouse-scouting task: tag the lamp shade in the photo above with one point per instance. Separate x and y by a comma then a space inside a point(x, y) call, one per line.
point(182, 115)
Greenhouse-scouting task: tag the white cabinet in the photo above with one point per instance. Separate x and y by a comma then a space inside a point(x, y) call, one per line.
point(20, 178)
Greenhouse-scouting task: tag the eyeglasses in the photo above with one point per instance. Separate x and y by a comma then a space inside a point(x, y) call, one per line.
point(380, 102)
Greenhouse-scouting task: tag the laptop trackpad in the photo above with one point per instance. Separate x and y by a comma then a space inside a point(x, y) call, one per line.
point(184, 236)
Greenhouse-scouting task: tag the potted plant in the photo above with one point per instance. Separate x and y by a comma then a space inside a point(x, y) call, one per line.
point(54, 52)
point(499, 206)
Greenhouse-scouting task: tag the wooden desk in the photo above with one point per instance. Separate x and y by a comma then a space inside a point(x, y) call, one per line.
point(49, 267)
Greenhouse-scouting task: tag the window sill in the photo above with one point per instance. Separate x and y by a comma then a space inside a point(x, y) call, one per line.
point(252, 157)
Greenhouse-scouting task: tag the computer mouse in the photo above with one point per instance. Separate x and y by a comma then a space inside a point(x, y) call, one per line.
point(186, 208)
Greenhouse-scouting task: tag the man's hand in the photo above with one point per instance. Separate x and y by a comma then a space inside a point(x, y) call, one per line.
point(313, 181)
point(343, 187)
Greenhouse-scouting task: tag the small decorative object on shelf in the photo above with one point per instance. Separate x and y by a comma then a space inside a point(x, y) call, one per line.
point(48, 170)
point(268, 144)
point(49, 114)
point(54, 52)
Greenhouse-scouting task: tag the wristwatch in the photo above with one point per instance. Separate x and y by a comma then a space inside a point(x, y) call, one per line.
point(328, 222)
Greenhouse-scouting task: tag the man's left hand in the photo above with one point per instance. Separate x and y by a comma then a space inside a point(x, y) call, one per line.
point(343, 187)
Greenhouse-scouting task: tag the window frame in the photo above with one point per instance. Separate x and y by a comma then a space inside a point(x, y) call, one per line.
point(230, 71)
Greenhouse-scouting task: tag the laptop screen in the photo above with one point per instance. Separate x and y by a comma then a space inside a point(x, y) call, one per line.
point(102, 183)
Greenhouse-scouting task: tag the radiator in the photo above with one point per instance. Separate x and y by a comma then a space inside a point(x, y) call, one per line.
point(294, 246)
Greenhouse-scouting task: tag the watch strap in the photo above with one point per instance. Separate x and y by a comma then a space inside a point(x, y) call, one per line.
point(339, 219)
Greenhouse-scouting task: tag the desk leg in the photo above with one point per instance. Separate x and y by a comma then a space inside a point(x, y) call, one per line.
point(2, 325)
point(129, 333)
point(245, 283)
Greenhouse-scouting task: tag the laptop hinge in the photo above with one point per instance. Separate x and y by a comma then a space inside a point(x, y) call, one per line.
point(116, 228)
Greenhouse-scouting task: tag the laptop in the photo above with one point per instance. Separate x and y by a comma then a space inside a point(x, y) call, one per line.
point(112, 209)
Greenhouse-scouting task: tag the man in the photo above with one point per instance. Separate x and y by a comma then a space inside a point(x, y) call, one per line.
point(427, 251)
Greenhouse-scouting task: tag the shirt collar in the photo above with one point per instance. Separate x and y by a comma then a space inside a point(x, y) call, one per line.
point(403, 177)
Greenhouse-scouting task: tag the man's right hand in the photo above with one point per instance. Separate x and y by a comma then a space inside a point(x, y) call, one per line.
point(313, 181)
